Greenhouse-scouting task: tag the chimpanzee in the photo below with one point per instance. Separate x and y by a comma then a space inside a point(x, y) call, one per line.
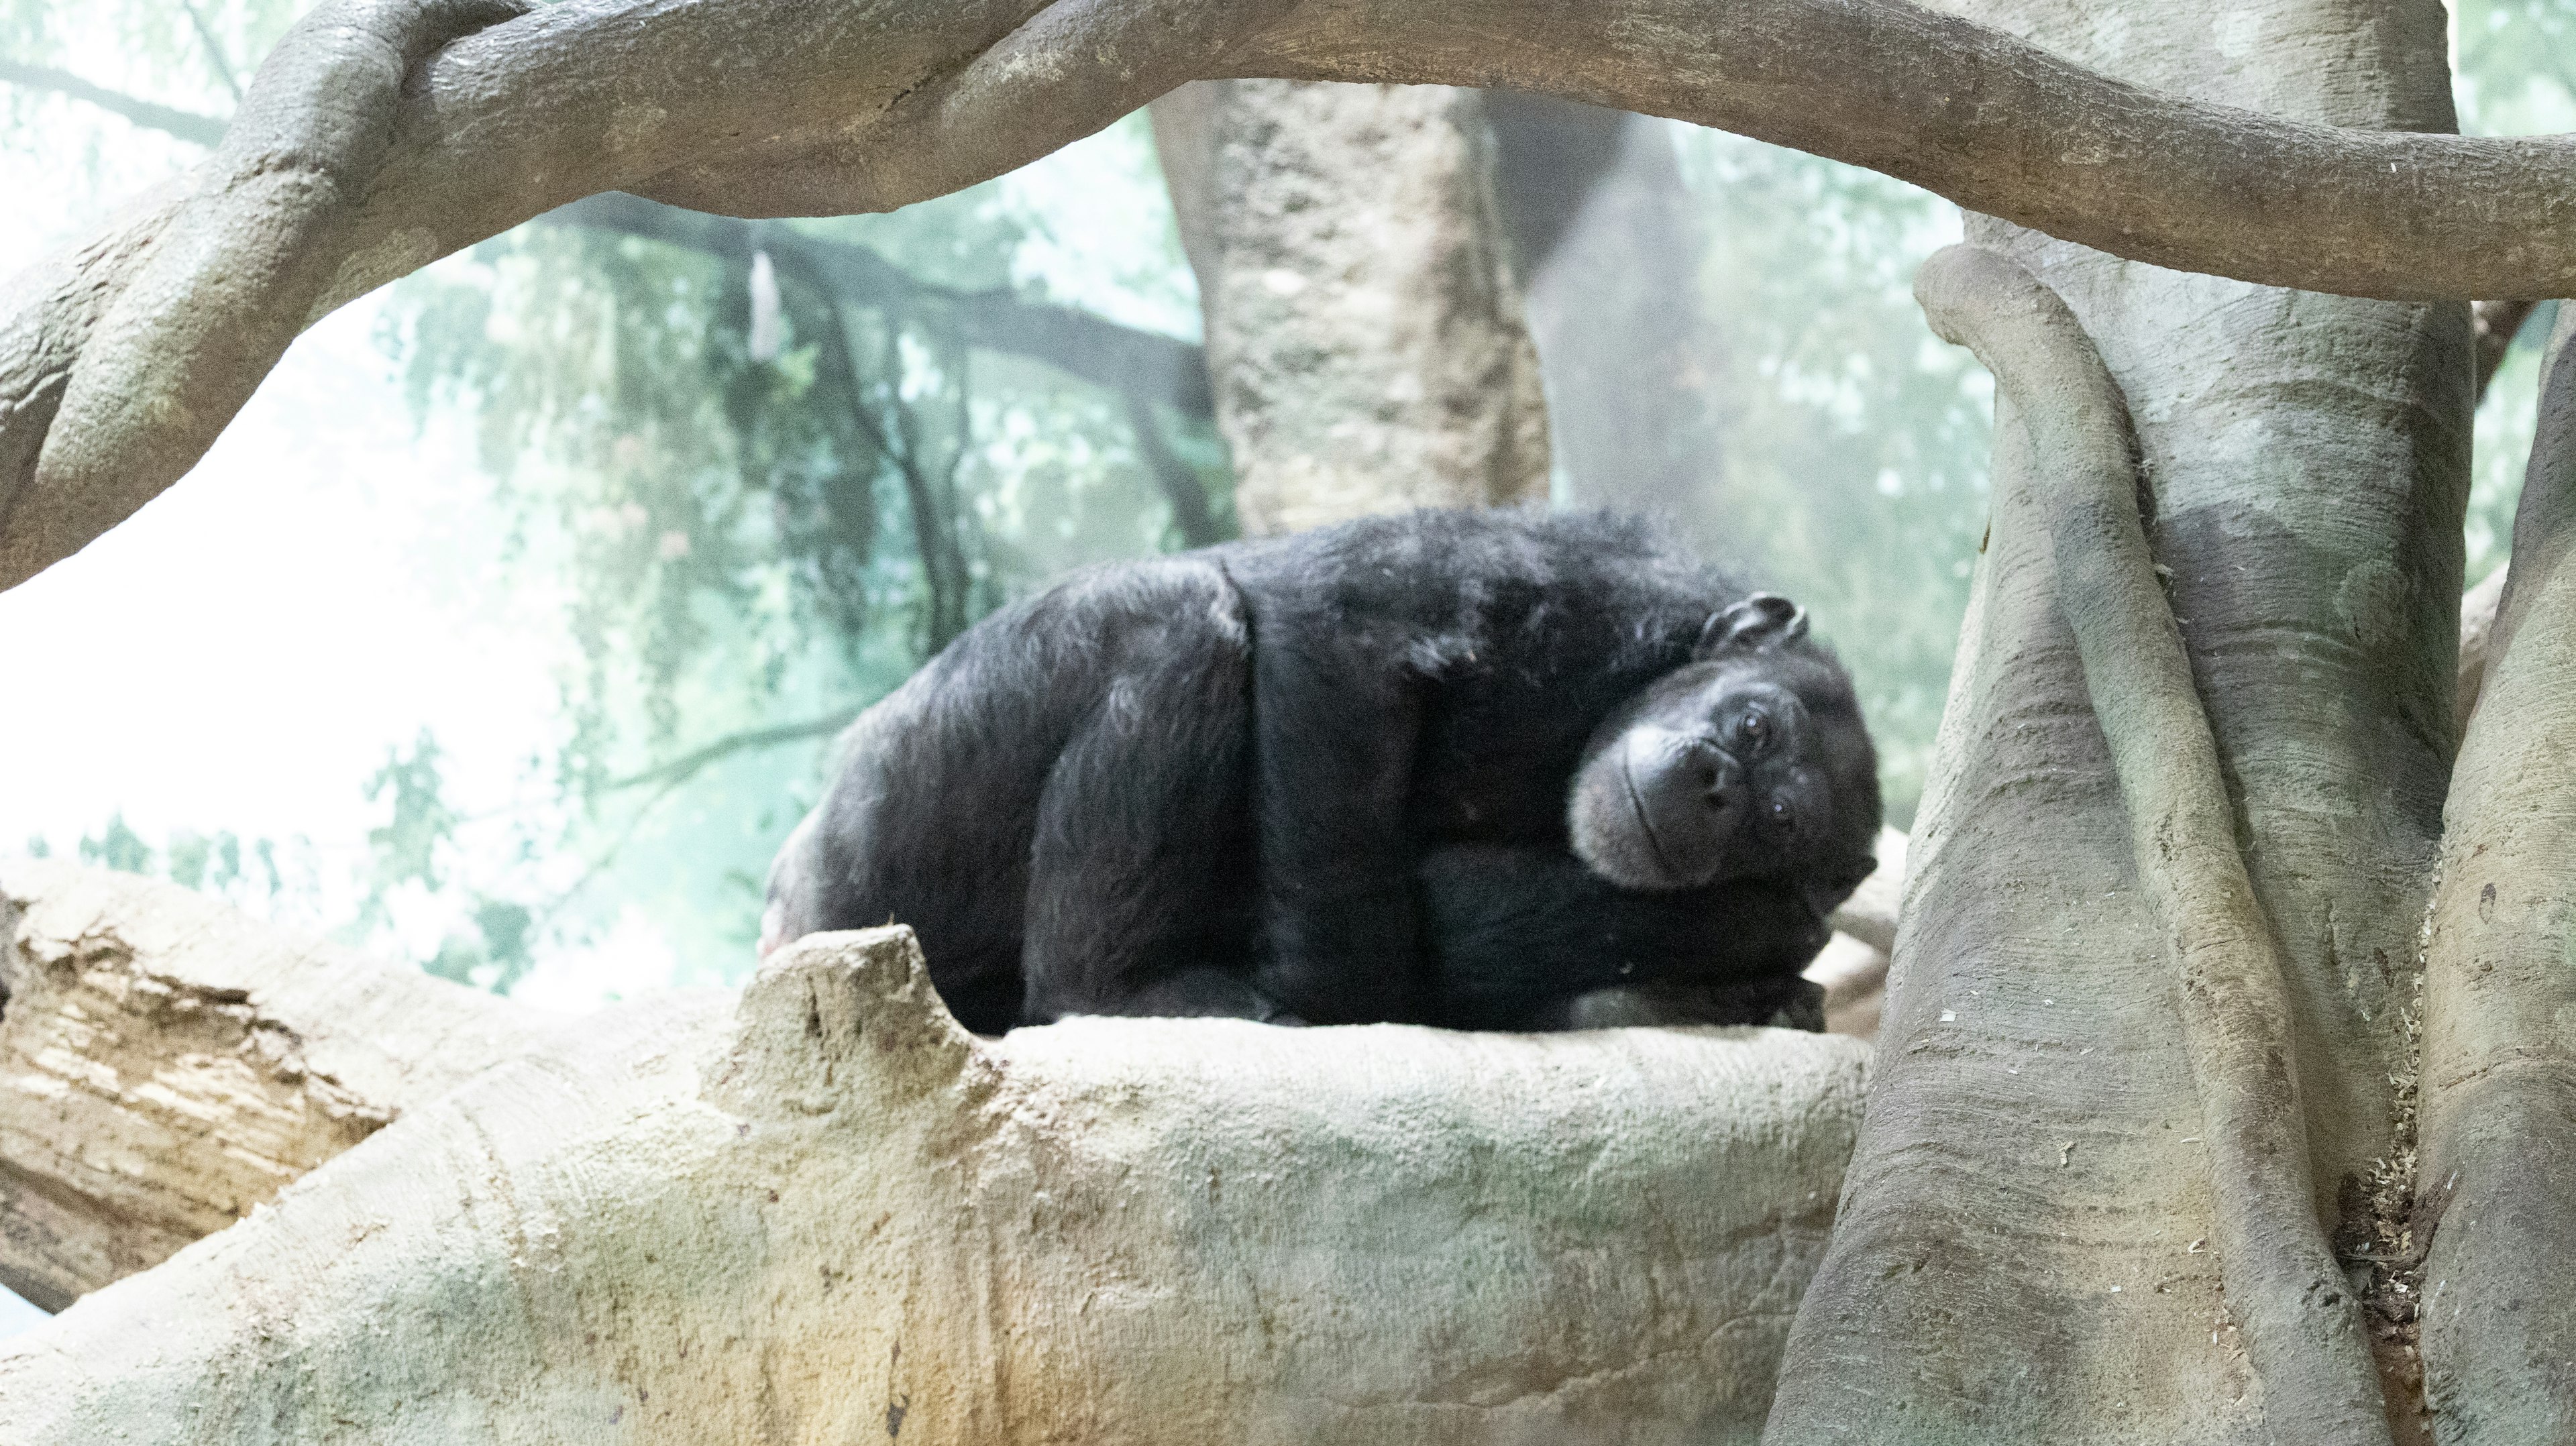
point(1452, 767)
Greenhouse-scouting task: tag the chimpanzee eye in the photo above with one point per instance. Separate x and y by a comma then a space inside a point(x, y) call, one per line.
point(1753, 729)
point(1779, 813)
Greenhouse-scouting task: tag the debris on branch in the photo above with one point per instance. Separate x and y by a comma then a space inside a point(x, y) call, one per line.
point(2287, 1293)
point(167, 1065)
point(830, 1213)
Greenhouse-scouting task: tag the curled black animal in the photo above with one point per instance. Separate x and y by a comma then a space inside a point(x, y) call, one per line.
point(1456, 768)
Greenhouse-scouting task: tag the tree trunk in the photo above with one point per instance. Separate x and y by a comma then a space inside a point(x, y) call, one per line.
point(1608, 242)
point(2308, 460)
point(830, 1213)
point(1364, 333)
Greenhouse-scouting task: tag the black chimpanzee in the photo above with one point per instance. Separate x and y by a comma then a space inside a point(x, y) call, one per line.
point(1455, 768)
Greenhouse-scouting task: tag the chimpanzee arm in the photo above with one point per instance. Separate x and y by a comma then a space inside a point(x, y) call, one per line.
point(1518, 933)
point(1333, 750)
point(1138, 843)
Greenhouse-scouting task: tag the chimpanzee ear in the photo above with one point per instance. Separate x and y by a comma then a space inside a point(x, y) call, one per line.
point(1764, 620)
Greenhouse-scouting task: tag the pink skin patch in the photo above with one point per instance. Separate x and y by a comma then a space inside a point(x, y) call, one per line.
point(773, 927)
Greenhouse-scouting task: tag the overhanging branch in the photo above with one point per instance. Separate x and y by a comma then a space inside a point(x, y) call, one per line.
point(370, 150)
point(2302, 1323)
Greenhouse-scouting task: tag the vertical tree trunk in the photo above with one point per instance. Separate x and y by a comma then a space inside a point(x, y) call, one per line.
point(1608, 245)
point(2308, 458)
point(1364, 332)
point(2497, 1186)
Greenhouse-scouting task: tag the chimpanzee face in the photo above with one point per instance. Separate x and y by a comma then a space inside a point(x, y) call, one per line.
point(1748, 762)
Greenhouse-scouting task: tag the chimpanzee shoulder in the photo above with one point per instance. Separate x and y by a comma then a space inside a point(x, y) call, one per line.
point(1445, 589)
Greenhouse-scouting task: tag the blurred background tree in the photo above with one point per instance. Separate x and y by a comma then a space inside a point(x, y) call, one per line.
point(737, 479)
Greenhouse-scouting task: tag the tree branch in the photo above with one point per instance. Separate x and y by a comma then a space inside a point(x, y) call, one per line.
point(2497, 323)
point(826, 1205)
point(2495, 1175)
point(1100, 351)
point(2301, 1321)
point(368, 148)
point(214, 48)
point(688, 765)
point(205, 130)
point(1178, 480)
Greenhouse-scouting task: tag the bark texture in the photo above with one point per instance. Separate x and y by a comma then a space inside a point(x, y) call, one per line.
point(833, 1215)
point(1364, 332)
point(166, 1066)
point(2284, 1289)
point(2057, 1281)
point(2495, 1204)
point(364, 150)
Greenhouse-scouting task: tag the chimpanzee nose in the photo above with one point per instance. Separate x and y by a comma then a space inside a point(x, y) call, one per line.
point(1721, 776)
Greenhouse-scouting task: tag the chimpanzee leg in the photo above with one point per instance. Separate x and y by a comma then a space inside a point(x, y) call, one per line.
point(1140, 874)
point(1517, 934)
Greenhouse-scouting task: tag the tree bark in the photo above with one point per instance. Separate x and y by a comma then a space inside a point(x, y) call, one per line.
point(367, 147)
point(166, 1067)
point(830, 1213)
point(2483, 1252)
point(1364, 332)
point(2308, 456)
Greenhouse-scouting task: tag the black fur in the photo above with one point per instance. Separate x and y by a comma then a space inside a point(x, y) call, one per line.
point(1321, 778)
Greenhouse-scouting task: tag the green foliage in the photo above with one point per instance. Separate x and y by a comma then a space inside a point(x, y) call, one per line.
point(407, 846)
point(742, 527)
point(118, 847)
point(2515, 65)
point(214, 863)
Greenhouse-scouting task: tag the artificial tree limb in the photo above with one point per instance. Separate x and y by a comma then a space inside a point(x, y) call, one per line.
point(828, 1213)
point(2495, 1180)
point(2300, 1319)
point(358, 161)
point(166, 1066)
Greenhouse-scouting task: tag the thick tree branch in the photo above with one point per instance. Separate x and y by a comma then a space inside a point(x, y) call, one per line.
point(187, 125)
point(2301, 1321)
point(341, 175)
point(826, 1213)
point(2495, 1179)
